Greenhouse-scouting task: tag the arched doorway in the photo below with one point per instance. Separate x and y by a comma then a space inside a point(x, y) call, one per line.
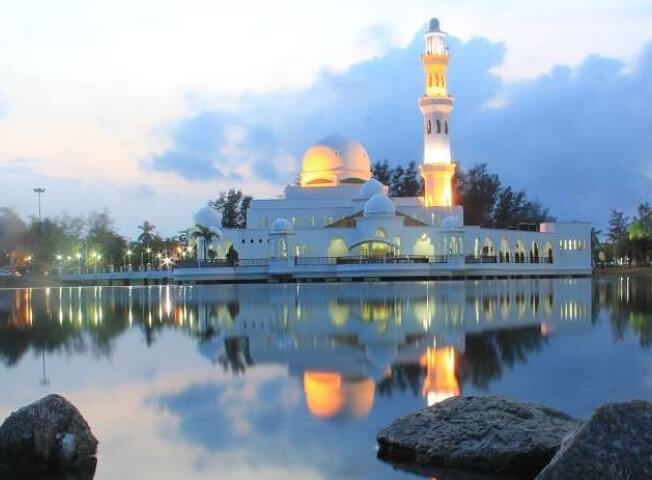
point(519, 252)
point(534, 252)
point(375, 247)
point(337, 248)
point(424, 246)
point(547, 252)
point(488, 248)
point(504, 255)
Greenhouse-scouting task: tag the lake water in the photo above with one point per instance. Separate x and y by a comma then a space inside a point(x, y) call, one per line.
point(294, 380)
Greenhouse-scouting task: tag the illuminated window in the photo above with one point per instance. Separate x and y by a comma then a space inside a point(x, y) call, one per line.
point(438, 126)
point(429, 127)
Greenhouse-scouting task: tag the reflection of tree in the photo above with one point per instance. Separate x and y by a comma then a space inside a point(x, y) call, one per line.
point(78, 320)
point(628, 303)
point(403, 377)
point(487, 353)
point(237, 356)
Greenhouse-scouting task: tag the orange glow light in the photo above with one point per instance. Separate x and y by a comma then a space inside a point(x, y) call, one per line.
point(440, 382)
point(328, 394)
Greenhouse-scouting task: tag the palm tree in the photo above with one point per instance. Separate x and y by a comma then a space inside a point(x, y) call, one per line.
point(206, 233)
point(148, 233)
point(595, 244)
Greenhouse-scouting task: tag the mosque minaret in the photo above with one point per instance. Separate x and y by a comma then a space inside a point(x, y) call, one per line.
point(436, 105)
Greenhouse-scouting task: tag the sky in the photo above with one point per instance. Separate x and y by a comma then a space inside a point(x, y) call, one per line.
point(152, 107)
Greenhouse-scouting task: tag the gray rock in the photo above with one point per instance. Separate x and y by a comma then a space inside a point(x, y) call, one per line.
point(490, 433)
point(615, 444)
point(47, 435)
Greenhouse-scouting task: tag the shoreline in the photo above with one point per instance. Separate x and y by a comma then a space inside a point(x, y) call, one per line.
point(44, 282)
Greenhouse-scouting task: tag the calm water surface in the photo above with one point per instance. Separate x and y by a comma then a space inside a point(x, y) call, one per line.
point(294, 381)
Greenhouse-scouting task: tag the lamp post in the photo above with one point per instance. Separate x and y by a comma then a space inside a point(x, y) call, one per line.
point(39, 191)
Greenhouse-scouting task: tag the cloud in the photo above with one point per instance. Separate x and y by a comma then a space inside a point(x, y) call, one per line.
point(576, 138)
point(218, 145)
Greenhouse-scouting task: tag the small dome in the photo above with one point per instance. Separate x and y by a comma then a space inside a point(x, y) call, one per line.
point(281, 225)
point(450, 223)
point(379, 205)
point(433, 26)
point(371, 187)
point(208, 217)
point(333, 160)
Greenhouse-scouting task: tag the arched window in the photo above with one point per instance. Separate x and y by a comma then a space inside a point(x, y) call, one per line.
point(446, 128)
point(429, 127)
point(438, 126)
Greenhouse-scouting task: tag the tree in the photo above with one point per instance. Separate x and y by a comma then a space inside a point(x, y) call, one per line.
point(244, 208)
point(510, 208)
point(411, 181)
point(617, 232)
point(12, 228)
point(233, 206)
point(478, 190)
point(147, 233)
point(382, 172)
point(101, 235)
point(396, 182)
point(617, 226)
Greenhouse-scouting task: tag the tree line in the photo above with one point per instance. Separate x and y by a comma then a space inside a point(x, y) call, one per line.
point(486, 200)
point(629, 238)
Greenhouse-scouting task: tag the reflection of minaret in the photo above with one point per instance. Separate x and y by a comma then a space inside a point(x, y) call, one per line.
point(436, 105)
point(440, 382)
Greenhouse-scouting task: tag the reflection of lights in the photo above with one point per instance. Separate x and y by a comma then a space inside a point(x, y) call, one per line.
point(546, 329)
point(440, 382)
point(329, 394)
point(337, 312)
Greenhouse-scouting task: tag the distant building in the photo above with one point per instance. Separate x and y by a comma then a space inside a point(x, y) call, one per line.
point(340, 222)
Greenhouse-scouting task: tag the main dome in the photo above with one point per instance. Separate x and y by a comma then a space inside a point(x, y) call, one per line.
point(334, 160)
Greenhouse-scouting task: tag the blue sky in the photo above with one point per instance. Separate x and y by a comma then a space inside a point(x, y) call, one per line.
point(152, 108)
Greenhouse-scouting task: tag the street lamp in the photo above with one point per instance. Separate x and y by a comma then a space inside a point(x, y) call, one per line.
point(128, 257)
point(38, 191)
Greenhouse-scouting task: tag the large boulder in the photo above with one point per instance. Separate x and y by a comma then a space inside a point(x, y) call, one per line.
point(48, 435)
point(615, 444)
point(489, 433)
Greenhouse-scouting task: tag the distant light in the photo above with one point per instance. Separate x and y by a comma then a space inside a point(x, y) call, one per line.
point(59, 257)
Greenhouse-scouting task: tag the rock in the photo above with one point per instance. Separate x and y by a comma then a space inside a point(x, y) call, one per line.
point(615, 444)
point(489, 433)
point(48, 435)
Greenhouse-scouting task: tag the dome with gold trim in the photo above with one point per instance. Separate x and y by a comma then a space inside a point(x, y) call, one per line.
point(335, 160)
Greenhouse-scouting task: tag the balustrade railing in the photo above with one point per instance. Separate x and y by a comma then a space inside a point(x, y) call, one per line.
point(500, 258)
point(360, 260)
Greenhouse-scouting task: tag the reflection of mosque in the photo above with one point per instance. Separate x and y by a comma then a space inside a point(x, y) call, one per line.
point(346, 343)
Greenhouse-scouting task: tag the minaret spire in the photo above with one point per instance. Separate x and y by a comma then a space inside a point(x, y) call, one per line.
point(436, 105)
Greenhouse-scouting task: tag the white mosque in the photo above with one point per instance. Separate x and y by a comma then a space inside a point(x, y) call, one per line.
point(339, 222)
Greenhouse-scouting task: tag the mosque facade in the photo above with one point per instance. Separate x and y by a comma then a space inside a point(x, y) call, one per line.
point(340, 222)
